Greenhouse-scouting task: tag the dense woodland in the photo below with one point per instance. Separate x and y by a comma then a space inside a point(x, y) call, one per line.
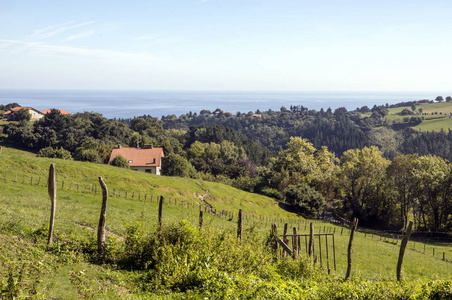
point(354, 163)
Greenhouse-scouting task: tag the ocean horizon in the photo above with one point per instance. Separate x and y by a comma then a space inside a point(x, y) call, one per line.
point(129, 103)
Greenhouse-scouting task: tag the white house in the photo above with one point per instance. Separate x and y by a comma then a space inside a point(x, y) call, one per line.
point(146, 159)
point(35, 114)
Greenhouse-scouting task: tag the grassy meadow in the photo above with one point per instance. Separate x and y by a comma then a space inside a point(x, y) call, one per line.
point(436, 116)
point(70, 269)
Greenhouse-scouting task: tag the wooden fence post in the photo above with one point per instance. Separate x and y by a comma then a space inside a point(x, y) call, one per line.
point(311, 239)
point(272, 241)
point(201, 217)
point(1, 149)
point(295, 243)
point(349, 252)
point(285, 239)
point(102, 218)
point(160, 212)
point(406, 237)
point(51, 188)
point(239, 225)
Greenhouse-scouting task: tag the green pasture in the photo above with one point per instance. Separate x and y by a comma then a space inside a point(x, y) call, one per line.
point(65, 270)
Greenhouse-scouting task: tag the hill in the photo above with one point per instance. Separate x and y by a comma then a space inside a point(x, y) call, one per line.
point(210, 263)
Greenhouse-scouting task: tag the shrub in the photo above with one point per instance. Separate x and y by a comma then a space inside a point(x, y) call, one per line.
point(305, 198)
point(55, 153)
point(120, 161)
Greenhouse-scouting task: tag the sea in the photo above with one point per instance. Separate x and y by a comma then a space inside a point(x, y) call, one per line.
point(129, 104)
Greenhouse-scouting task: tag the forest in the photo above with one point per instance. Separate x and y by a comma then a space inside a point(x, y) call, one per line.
point(357, 163)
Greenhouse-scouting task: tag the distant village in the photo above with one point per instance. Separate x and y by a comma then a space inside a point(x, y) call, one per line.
point(35, 114)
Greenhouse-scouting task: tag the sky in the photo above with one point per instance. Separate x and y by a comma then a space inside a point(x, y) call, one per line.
point(227, 45)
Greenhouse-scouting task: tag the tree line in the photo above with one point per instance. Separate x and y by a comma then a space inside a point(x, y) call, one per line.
point(338, 160)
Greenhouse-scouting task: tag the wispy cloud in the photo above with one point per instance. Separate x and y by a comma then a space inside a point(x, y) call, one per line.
point(46, 50)
point(53, 30)
point(159, 39)
point(79, 36)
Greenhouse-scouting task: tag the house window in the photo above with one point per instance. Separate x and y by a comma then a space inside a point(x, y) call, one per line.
point(148, 171)
point(130, 161)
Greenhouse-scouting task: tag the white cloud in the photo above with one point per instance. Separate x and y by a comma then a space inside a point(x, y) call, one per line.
point(50, 31)
point(79, 36)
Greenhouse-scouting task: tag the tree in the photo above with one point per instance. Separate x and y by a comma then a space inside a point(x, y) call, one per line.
point(301, 162)
point(432, 178)
point(448, 99)
point(363, 185)
point(399, 175)
point(22, 115)
point(175, 165)
point(439, 99)
point(305, 198)
point(120, 161)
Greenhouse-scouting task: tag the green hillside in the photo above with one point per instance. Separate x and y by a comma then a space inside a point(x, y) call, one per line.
point(70, 268)
point(436, 116)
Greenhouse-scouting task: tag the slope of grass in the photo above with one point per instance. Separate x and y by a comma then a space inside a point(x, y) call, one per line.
point(66, 269)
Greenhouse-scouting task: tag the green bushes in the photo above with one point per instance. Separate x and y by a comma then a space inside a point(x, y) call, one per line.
point(120, 161)
point(55, 153)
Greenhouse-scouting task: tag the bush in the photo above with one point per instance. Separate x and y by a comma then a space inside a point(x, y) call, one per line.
point(175, 165)
point(55, 153)
point(307, 199)
point(120, 161)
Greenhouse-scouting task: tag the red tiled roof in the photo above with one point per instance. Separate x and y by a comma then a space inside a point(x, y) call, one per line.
point(17, 108)
point(139, 157)
point(60, 110)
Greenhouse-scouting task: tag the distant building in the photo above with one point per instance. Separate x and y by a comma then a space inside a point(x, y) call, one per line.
point(146, 159)
point(45, 112)
point(35, 114)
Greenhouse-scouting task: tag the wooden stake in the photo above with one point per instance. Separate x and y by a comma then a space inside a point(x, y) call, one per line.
point(295, 243)
point(406, 237)
point(102, 218)
point(239, 225)
point(272, 241)
point(311, 239)
point(160, 212)
point(51, 187)
point(201, 217)
point(349, 253)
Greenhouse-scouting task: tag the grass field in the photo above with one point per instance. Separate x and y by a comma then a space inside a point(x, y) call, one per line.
point(66, 269)
point(436, 116)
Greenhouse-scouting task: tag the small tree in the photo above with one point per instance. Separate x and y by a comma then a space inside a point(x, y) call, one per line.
point(305, 198)
point(448, 99)
point(439, 99)
point(22, 115)
point(175, 165)
point(120, 161)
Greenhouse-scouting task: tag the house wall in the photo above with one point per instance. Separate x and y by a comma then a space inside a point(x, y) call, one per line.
point(35, 115)
point(151, 170)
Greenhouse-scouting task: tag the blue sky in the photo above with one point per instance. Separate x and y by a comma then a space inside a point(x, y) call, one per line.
point(281, 45)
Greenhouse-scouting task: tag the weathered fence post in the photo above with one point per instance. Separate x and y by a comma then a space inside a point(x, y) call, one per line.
point(285, 239)
point(160, 212)
point(201, 217)
point(102, 219)
point(295, 243)
point(1, 149)
point(239, 225)
point(51, 187)
point(349, 252)
point(406, 237)
point(272, 241)
point(311, 239)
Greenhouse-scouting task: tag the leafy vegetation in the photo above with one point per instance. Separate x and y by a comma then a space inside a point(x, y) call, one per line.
point(179, 261)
